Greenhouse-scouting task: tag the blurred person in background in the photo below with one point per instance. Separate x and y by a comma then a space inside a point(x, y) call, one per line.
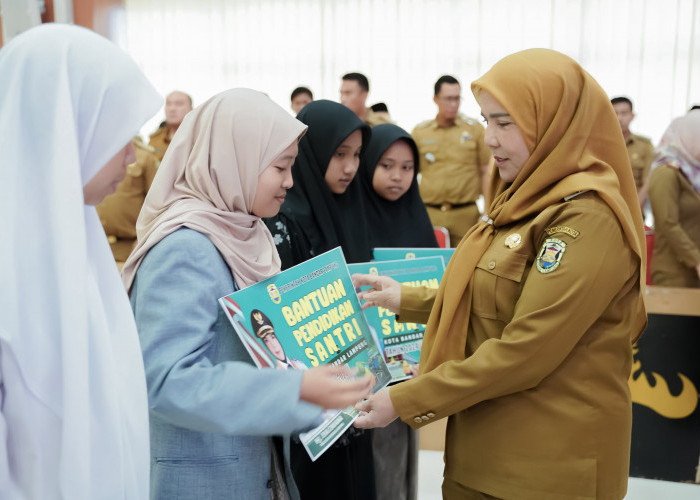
point(674, 193)
point(177, 105)
point(301, 96)
point(639, 148)
point(354, 89)
point(118, 211)
point(454, 162)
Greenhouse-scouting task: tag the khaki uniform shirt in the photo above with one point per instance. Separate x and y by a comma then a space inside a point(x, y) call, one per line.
point(540, 408)
point(676, 208)
point(118, 212)
point(374, 118)
point(450, 160)
point(159, 142)
point(641, 153)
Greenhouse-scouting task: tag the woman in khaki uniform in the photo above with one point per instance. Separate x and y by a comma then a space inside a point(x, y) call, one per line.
point(528, 347)
point(674, 193)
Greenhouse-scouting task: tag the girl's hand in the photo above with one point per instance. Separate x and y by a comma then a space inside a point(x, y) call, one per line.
point(334, 387)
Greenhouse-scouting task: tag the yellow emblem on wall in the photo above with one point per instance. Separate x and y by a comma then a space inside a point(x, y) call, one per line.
point(659, 398)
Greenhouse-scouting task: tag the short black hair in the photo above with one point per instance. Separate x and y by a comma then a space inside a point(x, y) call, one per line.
point(444, 79)
point(379, 107)
point(301, 90)
point(619, 99)
point(361, 80)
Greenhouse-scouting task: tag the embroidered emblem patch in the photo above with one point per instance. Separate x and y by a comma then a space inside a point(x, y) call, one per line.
point(513, 240)
point(550, 255)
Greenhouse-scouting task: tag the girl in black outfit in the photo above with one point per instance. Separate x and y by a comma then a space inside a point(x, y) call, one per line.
point(323, 210)
point(396, 217)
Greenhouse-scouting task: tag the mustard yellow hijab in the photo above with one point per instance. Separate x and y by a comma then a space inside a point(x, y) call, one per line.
point(569, 125)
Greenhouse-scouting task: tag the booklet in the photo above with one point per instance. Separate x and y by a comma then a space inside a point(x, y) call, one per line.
point(308, 316)
point(412, 253)
point(400, 342)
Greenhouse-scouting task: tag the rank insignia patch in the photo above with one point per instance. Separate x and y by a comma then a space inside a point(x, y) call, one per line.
point(550, 255)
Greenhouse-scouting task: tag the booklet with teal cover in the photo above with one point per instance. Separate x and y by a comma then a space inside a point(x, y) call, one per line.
point(308, 316)
point(400, 342)
point(412, 253)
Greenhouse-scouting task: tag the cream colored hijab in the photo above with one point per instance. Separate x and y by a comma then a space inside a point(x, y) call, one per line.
point(569, 125)
point(680, 147)
point(208, 178)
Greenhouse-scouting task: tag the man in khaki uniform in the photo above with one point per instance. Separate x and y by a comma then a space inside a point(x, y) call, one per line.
point(118, 212)
point(177, 105)
point(454, 162)
point(639, 148)
point(353, 94)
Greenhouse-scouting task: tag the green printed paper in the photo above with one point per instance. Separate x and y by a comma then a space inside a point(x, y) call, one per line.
point(308, 316)
point(412, 253)
point(400, 342)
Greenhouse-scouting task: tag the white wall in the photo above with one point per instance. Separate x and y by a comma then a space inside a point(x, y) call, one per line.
point(646, 49)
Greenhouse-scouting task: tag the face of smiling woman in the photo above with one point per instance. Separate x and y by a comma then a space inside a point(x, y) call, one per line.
point(503, 137)
point(274, 182)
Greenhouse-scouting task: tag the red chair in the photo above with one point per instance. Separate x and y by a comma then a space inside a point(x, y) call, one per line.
point(442, 235)
point(649, 233)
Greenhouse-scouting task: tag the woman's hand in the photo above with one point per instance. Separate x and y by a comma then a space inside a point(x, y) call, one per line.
point(377, 411)
point(334, 387)
point(384, 292)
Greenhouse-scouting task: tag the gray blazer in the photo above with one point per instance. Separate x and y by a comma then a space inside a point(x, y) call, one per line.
point(211, 410)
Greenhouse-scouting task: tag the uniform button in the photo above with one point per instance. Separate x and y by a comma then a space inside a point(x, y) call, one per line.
point(418, 420)
point(492, 264)
point(425, 417)
point(431, 415)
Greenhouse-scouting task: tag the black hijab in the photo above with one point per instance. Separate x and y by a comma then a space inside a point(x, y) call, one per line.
point(400, 223)
point(326, 220)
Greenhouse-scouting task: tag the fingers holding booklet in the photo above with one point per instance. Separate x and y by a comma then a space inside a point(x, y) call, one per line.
point(377, 411)
point(334, 386)
point(307, 318)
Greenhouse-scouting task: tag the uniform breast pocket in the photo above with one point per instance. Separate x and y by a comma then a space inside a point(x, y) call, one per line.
point(497, 285)
point(467, 144)
point(429, 153)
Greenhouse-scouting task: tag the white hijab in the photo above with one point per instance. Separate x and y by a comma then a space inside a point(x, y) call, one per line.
point(74, 420)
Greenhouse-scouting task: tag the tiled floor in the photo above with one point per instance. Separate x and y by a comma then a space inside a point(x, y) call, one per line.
point(430, 479)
